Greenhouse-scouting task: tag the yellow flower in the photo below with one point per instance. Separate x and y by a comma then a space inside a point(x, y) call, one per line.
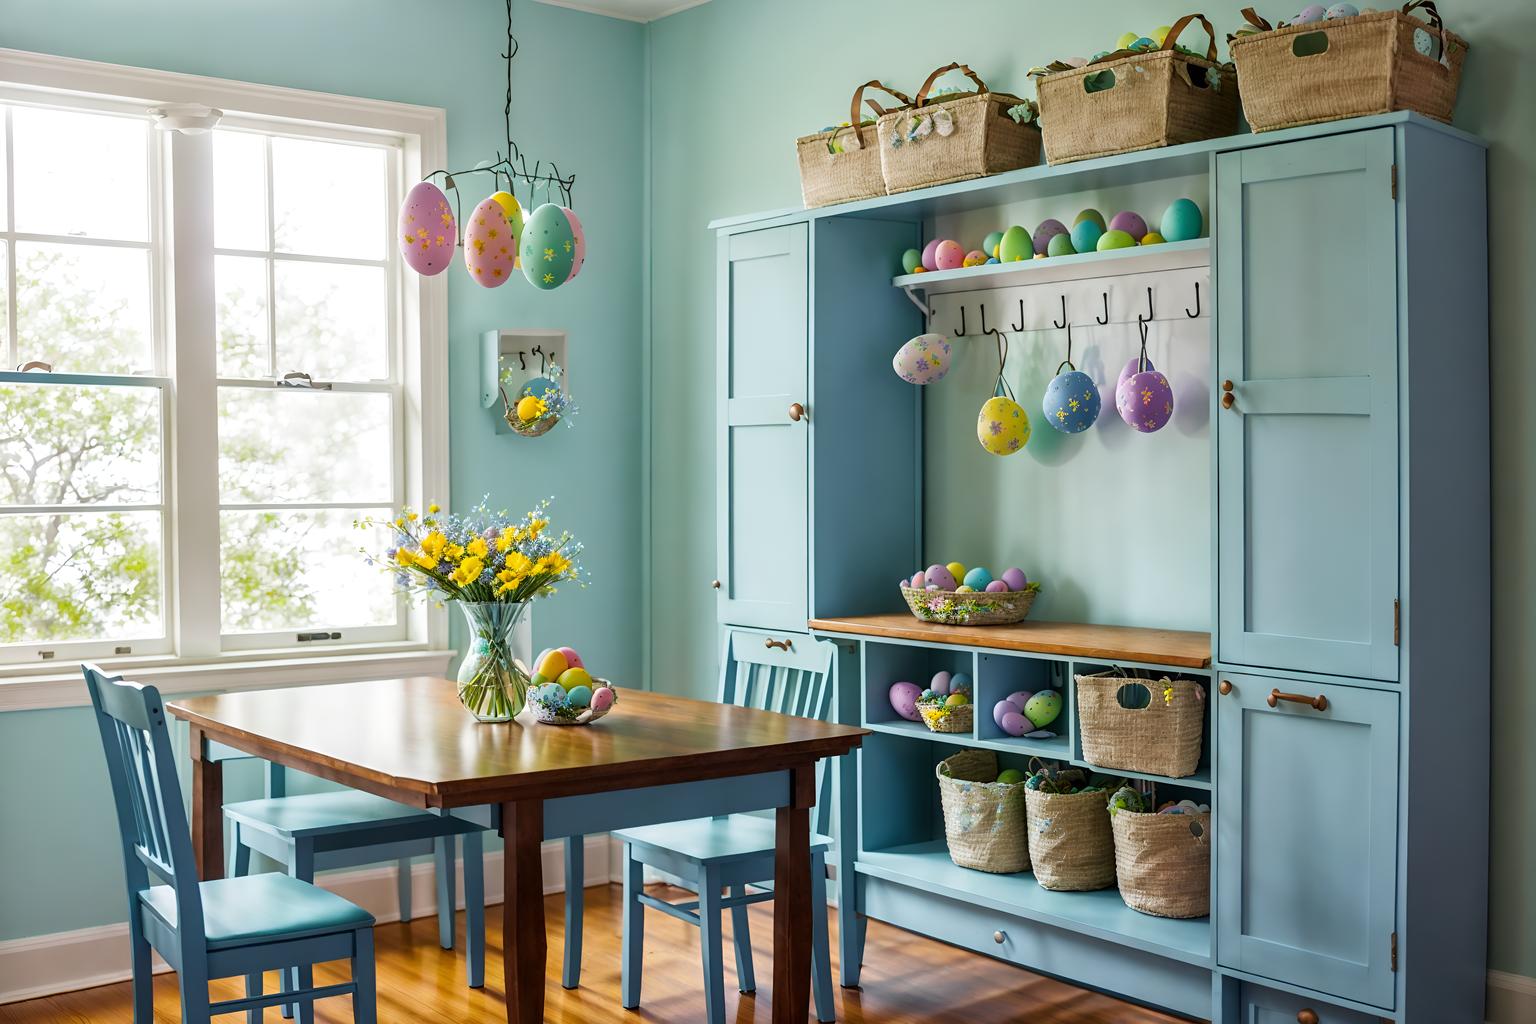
point(477, 547)
point(507, 539)
point(536, 527)
point(405, 556)
point(434, 509)
point(453, 552)
point(432, 545)
point(518, 564)
point(411, 516)
point(468, 571)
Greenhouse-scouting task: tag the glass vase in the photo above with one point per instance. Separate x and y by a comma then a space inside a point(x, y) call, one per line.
point(492, 686)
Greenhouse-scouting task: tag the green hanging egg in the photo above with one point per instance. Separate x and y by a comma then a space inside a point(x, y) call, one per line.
point(548, 247)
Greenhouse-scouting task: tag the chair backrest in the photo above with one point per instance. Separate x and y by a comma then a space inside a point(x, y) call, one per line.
point(145, 788)
point(756, 674)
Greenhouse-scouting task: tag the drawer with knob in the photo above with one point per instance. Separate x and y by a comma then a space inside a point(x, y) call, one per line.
point(1267, 1006)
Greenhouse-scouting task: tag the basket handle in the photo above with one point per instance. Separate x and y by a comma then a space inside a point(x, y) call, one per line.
point(922, 94)
point(1427, 7)
point(1210, 52)
point(1262, 24)
point(858, 99)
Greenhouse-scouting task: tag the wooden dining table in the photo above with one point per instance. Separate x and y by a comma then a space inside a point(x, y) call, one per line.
point(656, 758)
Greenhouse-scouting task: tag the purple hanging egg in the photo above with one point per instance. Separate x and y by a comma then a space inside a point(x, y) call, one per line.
point(1145, 401)
point(1130, 222)
point(1131, 369)
point(1048, 230)
point(428, 233)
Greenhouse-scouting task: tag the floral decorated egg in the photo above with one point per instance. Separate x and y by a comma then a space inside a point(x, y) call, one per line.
point(1131, 369)
point(1002, 426)
point(427, 231)
point(490, 248)
point(1146, 401)
point(1071, 402)
point(580, 235)
point(923, 360)
point(513, 210)
point(548, 248)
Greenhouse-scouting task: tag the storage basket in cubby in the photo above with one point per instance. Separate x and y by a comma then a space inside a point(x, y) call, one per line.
point(842, 164)
point(1153, 98)
point(956, 136)
point(984, 820)
point(943, 717)
point(976, 609)
point(1070, 843)
point(1348, 67)
point(1163, 862)
point(1163, 738)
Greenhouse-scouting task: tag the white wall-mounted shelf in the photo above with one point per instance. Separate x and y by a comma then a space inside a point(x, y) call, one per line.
point(1142, 259)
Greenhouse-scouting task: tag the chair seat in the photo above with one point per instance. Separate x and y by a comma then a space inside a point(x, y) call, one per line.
point(262, 908)
point(317, 813)
point(710, 840)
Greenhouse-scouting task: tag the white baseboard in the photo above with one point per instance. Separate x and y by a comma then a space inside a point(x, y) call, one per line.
point(1511, 998)
point(46, 965)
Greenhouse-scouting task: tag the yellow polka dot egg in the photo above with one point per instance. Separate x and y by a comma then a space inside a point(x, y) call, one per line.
point(1002, 426)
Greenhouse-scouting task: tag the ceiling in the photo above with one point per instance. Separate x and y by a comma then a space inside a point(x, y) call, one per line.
point(629, 10)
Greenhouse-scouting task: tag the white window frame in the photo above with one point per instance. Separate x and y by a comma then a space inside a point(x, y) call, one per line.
point(196, 651)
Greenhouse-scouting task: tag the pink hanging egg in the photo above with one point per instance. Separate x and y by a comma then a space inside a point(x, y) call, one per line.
point(1146, 401)
point(490, 247)
point(581, 242)
point(427, 231)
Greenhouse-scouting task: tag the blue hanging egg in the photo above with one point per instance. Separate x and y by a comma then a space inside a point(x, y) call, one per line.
point(1071, 402)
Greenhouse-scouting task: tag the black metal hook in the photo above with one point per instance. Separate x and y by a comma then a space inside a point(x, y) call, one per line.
point(1020, 325)
point(1196, 313)
point(1105, 318)
point(961, 332)
point(1063, 322)
point(1069, 349)
point(984, 319)
point(1151, 314)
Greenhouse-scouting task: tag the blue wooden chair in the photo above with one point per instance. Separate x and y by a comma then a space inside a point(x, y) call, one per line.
point(733, 851)
point(226, 928)
point(318, 831)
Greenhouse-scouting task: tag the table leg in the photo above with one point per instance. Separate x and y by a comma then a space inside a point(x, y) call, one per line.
point(792, 901)
point(523, 941)
point(207, 810)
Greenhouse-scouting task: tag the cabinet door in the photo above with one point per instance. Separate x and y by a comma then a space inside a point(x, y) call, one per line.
point(762, 469)
point(1307, 485)
point(1306, 831)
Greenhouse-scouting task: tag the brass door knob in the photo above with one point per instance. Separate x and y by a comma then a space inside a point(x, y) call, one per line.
point(797, 412)
point(1227, 398)
point(715, 584)
point(1225, 687)
point(1307, 1016)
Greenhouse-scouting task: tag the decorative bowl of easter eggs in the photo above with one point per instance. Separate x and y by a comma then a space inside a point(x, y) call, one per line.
point(562, 692)
point(956, 596)
point(945, 706)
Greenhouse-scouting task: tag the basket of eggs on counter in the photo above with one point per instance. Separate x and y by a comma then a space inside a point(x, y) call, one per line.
point(956, 596)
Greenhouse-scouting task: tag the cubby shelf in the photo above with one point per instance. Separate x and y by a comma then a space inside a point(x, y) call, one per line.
point(1102, 913)
point(1141, 259)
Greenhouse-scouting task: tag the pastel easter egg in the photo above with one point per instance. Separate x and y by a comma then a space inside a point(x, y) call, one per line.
point(1048, 229)
point(1146, 401)
point(956, 700)
point(959, 683)
point(1002, 426)
point(1341, 11)
point(512, 210)
point(550, 664)
point(1013, 722)
point(529, 409)
point(965, 589)
point(1015, 245)
point(538, 387)
point(1160, 34)
point(1086, 235)
point(1071, 403)
point(978, 578)
point(1010, 776)
point(427, 230)
point(550, 693)
point(918, 581)
point(949, 255)
point(974, 258)
point(1115, 239)
point(1090, 216)
point(1043, 708)
point(1126, 41)
point(1061, 245)
point(1309, 14)
point(1015, 578)
point(1000, 709)
point(1130, 222)
point(1152, 238)
point(924, 359)
point(1144, 43)
point(602, 699)
point(994, 259)
point(992, 241)
point(574, 677)
point(996, 587)
point(940, 576)
point(490, 248)
point(1132, 368)
point(956, 570)
point(1182, 221)
point(910, 261)
point(904, 700)
point(940, 683)
point(1427, 43)
point(930, 255)
point(572, 659)
point(579, 696)
point(579, 235)
point(548, 249)
point(1019, 699)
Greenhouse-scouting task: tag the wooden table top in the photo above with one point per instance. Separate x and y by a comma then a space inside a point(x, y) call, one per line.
point(1175, 648)
point(410, 739)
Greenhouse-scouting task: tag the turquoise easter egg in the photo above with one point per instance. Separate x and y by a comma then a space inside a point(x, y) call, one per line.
point(1086, 235)
point(978, 578)
point(548, 249)
point(1182, 221)
point(993, 240)
point(579, 696)
point(1061, 245)
point(1015, 245)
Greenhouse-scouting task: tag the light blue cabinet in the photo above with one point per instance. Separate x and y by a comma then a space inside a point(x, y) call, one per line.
point(1307, 463)
point(1307, 834)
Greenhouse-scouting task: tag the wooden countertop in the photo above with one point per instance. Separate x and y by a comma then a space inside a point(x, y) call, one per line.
point(1175, 648)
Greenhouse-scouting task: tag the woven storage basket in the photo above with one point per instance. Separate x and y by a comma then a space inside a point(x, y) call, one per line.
point(1371, 66)
point(955, 137)
point(1163, 738)
point(843, 164)
point(1163, 862)
point(978, 609)
point(1159, 98)
point(1070, 843)
point(983, 819)
point(940, 718)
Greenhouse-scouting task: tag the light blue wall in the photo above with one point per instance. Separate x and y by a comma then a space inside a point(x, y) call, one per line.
point(578, 88)
point(736, 81)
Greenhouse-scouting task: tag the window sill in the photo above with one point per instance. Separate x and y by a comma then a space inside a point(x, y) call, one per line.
point(62, 686)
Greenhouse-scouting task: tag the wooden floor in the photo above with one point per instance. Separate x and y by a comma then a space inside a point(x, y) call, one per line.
point(906, 979)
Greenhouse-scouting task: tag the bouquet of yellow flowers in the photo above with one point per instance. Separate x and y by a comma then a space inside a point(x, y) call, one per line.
point(493, 565)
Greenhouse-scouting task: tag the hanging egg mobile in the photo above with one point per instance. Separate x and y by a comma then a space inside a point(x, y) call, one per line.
point(427, 230)
point(1072, 402)
point(1145, 398)
point(1002, 426)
